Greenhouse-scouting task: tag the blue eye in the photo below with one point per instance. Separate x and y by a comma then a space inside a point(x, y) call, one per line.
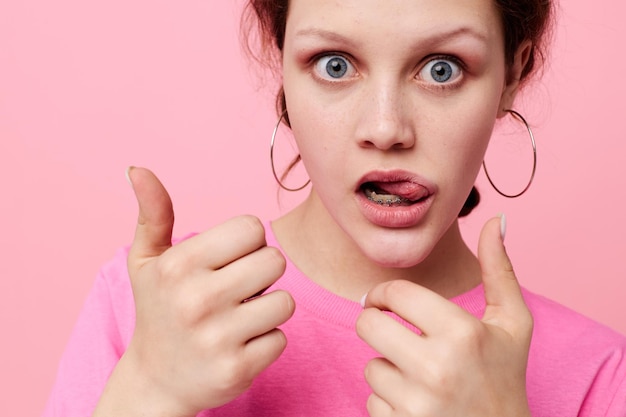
point(333, 67)
point(440, 71)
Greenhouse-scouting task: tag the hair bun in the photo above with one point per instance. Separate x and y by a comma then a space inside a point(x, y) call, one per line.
point(472, 201)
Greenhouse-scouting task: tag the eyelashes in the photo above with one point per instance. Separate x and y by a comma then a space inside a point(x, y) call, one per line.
point(333, 67)
point(440, 71)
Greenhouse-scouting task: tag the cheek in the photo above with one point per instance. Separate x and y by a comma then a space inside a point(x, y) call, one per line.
point(460, 157)
point(320, 135)
point(473, 125)
point(312, 140)
point(475, 140)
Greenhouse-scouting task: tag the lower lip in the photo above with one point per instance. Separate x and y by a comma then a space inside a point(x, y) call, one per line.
point(393, 217)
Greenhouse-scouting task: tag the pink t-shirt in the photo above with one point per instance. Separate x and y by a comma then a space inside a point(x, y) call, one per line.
point(577, 367)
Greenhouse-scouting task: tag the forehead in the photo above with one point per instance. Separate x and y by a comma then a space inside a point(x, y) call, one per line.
point(393, 20)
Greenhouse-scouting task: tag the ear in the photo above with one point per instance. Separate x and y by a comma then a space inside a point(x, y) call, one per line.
point(514, 73)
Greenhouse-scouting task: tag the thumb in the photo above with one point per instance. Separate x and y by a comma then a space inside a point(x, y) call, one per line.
point(153, 235)
point(505, 304)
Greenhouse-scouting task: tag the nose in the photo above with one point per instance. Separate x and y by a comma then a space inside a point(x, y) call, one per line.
point(386, 120)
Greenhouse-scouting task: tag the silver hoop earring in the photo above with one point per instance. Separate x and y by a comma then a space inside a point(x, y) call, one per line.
point(532, 175)
point(272, 157)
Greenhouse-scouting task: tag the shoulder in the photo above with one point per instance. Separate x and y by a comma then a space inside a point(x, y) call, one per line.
point(574, 363)
point(114, 272)
point(566, 325)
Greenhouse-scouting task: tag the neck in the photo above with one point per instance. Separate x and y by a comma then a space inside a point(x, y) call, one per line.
point(323, 252)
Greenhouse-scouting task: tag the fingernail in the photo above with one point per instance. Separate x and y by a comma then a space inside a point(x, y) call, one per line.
point(362, 302)
point(127, 173)
point(502, 226)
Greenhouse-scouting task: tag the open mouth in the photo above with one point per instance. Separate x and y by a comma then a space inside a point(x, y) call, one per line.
point(395, 193)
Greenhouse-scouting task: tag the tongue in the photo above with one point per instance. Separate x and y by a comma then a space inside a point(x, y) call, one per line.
point(404, 189)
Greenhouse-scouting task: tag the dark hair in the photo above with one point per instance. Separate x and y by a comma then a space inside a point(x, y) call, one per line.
point(522, 20)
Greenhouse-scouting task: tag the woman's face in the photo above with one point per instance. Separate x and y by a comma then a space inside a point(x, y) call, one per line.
point(392, 103)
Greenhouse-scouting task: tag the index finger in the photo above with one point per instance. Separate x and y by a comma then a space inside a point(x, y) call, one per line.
point(419, 306)
point(224, 243)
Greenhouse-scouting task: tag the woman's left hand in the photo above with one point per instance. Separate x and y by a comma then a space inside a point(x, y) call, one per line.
point(459, 365)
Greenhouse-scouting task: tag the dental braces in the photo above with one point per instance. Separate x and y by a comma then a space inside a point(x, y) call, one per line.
point(387, 202)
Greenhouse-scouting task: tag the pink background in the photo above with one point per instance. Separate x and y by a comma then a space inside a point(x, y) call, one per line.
point(87, 88)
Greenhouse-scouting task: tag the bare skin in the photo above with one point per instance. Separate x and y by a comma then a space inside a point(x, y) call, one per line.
point(198, 346)
point(459, 365)
point(361, 100)
point(206, 346)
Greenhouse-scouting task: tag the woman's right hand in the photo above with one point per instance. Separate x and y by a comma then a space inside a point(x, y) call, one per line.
point(196, 343)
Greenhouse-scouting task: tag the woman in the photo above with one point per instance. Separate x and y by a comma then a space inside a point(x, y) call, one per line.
point(392, 105)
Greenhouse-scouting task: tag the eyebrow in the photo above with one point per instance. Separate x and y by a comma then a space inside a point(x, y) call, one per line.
point(437, 37)
point(324, 34)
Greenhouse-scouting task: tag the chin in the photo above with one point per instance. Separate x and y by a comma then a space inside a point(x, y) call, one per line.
point(396, 254)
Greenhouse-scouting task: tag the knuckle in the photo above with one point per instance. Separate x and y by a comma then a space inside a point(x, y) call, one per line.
point(286, 304)
point(169, 266)
point(187, 315)
point(216, 291)
point(193, 304)
point(279, 340)
point(370, 370)
point(371, 404)
point(235, 374)
point(275, 256)
point(440, 378)
point(394, 289)
point(415, 408)
point(365, 323)
point(507, 267)
point(190, 309)
point(215, 340)
point(282, 305)
point(469, 334)
point(252, 227)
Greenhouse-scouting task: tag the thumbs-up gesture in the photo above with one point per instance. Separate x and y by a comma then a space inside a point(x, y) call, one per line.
point(459, 365)
point(196, 343)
